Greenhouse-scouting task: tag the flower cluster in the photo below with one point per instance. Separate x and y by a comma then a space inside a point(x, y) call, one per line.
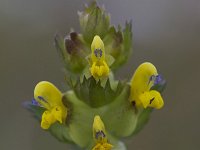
point(98, 110)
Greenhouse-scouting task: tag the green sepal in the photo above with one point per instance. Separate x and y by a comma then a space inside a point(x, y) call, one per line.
point(109, 59)
point(60, 132)
point(117, 144)
point(143, 118)
point(79, 122)
point(114, 84)
point(120, 118)
point(86, 73)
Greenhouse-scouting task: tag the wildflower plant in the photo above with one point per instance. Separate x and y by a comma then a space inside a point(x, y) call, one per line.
point(97, 111)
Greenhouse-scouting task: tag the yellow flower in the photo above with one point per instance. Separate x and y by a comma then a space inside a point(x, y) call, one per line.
point(49, 97)
point(99, 135)
point(99, 66)
point(143, 79)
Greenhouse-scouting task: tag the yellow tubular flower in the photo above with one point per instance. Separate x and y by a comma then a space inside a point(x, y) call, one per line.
point(99, 135)
point(99, 66)
point(49, 97)
point(143, 79)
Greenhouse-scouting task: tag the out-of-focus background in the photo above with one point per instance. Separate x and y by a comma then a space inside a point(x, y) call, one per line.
point(166, 33)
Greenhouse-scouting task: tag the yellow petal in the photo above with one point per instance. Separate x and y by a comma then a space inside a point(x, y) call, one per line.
point(101, 71)
point(102, 146)
point(107, 146)
point(105, 69)
point(47, 94)
point(47, 119)
point(57, 112)
point(151, 99)
point(92, 69)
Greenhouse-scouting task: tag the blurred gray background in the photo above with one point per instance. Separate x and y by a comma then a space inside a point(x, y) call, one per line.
point(166, 33)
